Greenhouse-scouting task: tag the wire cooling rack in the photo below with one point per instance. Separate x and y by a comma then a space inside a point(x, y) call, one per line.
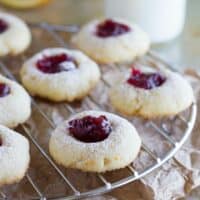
point(63, 183)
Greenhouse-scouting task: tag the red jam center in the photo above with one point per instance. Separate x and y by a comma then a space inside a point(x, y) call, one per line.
point(90, 129)
point(3, 26)
point(56, 63)
point(145, 80)
point(4, 90)
point(110, 28)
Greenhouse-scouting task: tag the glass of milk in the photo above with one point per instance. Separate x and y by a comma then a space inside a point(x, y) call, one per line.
point(163, 20)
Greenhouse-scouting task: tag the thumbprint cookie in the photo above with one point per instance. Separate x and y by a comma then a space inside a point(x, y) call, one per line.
point(95, 141)
point(14, 156)
point(15, 36)
point(149, 93)
point(111, 40)
point(15, 103)
point(60, 74)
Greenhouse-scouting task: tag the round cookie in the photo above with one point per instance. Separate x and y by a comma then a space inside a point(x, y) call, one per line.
point(15, 35)
point(60, 74)
point(95, 141)
point(15, 103)
point(111, 40)
point(14, 156)
point(149, 93)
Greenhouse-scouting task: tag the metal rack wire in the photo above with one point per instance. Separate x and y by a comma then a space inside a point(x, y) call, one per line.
point(107, 184)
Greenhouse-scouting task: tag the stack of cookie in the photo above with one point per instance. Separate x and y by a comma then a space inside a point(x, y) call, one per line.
point(94, 141)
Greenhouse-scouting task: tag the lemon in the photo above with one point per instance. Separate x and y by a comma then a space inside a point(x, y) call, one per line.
point(23, 3)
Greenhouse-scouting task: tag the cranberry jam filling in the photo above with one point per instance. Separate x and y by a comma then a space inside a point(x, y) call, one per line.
point(56, 63)
point(3, 26)
point(90, 129)
point(146, 81)
point(4, 90)
point(110, 28)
